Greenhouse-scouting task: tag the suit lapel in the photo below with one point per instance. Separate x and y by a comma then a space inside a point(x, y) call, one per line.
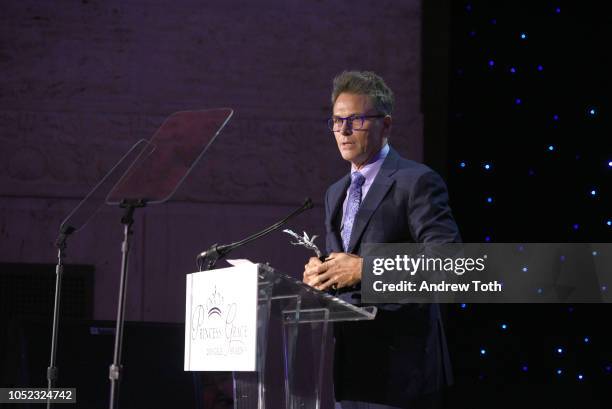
point(379, 188)
point(337, 194)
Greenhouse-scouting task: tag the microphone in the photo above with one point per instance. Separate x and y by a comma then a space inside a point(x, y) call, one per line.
point(207, 259)
point(212, 250)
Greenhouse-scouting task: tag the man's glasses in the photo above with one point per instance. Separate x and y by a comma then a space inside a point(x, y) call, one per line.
point(354, 122)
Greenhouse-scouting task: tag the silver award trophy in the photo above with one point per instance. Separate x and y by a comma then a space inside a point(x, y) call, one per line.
point(307, 242)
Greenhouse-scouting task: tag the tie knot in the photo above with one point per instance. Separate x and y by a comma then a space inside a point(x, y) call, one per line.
point(357, 179)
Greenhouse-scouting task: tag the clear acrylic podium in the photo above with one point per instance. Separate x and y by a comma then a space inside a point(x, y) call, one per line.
point(292, 341)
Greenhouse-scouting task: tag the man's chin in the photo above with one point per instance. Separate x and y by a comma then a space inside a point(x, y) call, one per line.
point(348, 157)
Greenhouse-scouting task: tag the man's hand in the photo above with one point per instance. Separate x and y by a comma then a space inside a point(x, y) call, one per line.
point(310, 270)
point(339, 270)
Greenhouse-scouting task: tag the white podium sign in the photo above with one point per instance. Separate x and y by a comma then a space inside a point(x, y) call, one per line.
point(221, 319)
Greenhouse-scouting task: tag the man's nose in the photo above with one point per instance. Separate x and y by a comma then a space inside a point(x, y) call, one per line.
point(347, 128)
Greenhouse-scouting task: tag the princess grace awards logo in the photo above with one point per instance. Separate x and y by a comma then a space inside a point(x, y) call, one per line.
point(214, 305)
point(214, 324)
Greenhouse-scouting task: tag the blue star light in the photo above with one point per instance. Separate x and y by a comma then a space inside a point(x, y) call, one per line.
point(523, 36)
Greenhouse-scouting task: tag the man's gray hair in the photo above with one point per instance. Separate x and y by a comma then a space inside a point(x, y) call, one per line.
point(364, 83)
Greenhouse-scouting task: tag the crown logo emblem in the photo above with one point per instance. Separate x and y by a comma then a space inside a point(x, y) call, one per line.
point(214, 304)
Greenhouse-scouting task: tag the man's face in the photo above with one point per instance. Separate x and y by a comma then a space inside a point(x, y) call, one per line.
point(358, 146)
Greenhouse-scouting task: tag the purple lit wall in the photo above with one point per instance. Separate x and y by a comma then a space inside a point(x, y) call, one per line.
point(80, 82)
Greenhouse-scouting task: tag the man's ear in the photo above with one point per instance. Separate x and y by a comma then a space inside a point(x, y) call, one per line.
point(387, 122)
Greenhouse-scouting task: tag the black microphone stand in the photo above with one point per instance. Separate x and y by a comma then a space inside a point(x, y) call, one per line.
point(60, 243)
point(114, 372)
point(207, 259)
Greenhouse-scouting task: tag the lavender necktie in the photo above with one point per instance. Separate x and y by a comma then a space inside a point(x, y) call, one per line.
point(352, 206)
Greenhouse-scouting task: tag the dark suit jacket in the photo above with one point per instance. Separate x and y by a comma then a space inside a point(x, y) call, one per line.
point(401, 355)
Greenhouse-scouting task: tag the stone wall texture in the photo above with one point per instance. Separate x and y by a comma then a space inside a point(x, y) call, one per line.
point(81, 81)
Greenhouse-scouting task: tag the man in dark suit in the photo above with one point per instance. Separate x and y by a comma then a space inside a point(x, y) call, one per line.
point(400, 359)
